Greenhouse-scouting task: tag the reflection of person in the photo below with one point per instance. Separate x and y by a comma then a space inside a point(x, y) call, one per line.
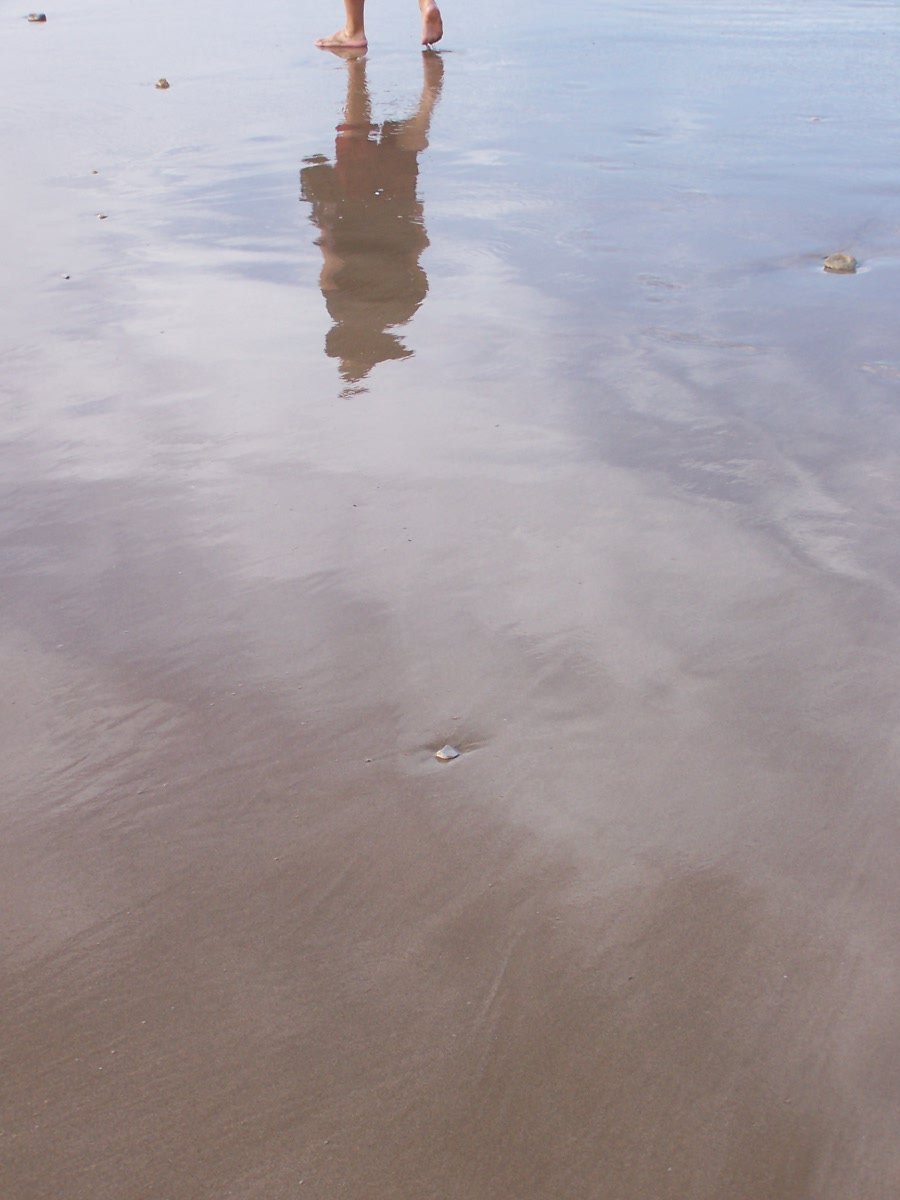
point(371, 223)
point(353, 35)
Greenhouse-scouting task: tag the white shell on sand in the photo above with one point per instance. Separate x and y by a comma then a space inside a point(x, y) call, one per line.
point(447, 753)
point(840, 264)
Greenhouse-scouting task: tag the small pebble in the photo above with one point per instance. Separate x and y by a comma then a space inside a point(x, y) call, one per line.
point(102, 216)
point(840, 264)
point(162, 84)
point(447, 753)
point(37, 18)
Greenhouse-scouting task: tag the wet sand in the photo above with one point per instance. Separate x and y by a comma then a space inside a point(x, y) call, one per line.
point(496, 398)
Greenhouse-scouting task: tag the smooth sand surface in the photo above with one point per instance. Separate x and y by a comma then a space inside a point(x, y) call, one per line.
point(524, 419)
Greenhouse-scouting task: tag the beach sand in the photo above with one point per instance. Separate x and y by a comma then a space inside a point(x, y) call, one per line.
point(496, 399)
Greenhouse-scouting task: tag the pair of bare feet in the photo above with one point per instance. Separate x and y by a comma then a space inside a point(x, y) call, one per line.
point(353, 34)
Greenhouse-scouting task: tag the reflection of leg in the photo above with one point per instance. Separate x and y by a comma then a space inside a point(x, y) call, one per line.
point(414, 131)
point(353, 35)
point(433, 79)
point(357, 107)
point(432, 25)
point(352, 141)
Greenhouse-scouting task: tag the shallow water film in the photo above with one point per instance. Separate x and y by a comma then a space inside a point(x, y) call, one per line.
point(494, 400)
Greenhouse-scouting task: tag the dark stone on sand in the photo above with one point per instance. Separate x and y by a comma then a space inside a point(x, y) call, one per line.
point(162, 84)
point(37, 18)
point(840, 264)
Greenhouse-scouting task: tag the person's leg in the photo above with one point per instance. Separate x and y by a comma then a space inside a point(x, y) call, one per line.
point(432, 25)
point(353, 35)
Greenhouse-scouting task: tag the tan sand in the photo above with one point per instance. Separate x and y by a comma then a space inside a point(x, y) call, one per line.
point(633, 557)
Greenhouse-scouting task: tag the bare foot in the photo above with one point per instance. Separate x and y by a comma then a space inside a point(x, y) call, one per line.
point(432, 25)
point(344, 39)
